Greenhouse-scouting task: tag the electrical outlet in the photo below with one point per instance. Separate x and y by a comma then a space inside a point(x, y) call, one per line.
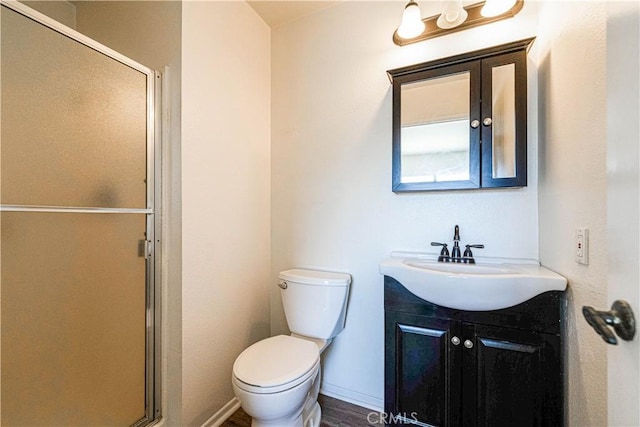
point(582, 246)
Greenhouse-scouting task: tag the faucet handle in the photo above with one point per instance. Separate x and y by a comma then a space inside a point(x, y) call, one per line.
point(468, 255)
point(444, 253)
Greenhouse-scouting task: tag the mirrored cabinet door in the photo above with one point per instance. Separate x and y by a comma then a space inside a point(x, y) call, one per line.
point(504, 124)
point(436, 144)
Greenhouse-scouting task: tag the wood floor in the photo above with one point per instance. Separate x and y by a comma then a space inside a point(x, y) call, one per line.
point(335, 413)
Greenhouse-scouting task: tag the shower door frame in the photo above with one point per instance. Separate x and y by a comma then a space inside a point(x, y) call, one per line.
point(152, 245)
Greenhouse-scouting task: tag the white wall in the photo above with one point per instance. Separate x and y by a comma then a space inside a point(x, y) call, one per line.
point(225, 197)
point(573, 185)
point(332, 204)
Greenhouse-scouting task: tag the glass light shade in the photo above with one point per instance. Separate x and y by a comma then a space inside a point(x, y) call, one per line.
point(496, 7)
point(453, 14)
point(411, 24)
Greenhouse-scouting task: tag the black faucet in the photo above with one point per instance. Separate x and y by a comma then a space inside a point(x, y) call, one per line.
point(455, 251)
point(455, 256)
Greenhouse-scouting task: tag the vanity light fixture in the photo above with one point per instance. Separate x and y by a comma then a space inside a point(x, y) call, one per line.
point(453, 18)
point(411, 24)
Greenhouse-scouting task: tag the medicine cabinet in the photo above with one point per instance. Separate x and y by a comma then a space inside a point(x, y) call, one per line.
point(461, 122)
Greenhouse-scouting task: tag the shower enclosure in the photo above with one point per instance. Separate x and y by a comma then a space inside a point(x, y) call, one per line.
point(78, 242)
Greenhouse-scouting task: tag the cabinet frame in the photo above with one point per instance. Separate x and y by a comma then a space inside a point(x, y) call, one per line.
point(481, 150)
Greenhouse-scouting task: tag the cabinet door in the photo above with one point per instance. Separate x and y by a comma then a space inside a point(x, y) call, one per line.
point(422, 385)
point(510, 377)
point(435, 147)
point(504, 120)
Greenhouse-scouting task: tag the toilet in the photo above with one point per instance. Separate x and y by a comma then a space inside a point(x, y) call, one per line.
point(277, 380)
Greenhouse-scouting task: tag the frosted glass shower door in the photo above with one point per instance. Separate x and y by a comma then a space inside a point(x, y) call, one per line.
point(77, 229)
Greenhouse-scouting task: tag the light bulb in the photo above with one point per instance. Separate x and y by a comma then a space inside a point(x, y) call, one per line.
point(496, 7)
point(453, 14)
point(411, 25)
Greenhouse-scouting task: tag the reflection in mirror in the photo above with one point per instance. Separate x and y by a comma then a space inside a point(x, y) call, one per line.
point(435, 129)
point(504, 121)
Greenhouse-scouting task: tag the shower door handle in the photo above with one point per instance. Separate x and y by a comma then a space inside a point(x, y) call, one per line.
point(144, 248)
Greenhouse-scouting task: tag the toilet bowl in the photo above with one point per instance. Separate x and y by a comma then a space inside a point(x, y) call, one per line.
point(277, 380)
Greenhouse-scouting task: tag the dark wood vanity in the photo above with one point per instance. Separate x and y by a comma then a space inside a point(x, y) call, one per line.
point(447, 367)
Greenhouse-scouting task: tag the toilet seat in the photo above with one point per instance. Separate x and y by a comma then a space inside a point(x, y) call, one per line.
point(276, 364)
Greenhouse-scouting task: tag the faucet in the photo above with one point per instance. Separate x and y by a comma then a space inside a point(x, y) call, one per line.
point(455, 256)
point(455, 251)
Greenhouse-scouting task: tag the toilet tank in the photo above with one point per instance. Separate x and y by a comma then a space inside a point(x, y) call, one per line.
point(315, 302)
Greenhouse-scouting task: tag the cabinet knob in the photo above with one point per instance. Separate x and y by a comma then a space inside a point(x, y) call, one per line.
point(455, 340)
point(468, 343)
point(475, 123)
point(487, 121)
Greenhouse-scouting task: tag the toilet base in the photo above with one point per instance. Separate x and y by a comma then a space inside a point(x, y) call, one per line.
point(312, 418)
point(308, 415)
point(289, 421)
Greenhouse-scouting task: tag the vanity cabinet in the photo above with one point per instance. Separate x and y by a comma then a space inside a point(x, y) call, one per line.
point(446, 367)
point(461, 122)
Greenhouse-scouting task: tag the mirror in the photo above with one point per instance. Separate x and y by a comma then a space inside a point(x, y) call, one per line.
point(503, 98)
point(460, 122)
point(435, 134)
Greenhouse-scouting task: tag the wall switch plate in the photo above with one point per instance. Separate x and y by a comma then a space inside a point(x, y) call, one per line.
point(582, 246)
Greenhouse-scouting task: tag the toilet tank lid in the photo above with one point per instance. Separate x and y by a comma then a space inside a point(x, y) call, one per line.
point(316, 277)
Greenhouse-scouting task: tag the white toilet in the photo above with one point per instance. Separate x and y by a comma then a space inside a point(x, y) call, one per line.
point(277, 380)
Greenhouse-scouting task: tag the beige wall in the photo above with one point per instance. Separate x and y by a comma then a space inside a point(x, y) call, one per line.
point(225, 197)
point(60, 10)
point(573, 185)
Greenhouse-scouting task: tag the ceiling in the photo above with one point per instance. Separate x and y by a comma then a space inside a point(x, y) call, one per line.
point(276, 13)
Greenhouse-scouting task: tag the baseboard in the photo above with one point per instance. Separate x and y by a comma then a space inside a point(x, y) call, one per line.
point(221, 416)
point(351, 396)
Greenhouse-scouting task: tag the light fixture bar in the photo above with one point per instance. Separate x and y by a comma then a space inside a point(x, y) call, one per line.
point(474, 19)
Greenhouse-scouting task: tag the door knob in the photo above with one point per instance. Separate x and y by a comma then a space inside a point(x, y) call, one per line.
point(620, 317)
point(455, 340)
point(468, 343)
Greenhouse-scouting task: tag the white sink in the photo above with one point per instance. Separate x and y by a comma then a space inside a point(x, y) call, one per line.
point(491, 284)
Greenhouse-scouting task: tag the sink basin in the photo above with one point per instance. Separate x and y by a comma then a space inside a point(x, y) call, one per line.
point(487, 285)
